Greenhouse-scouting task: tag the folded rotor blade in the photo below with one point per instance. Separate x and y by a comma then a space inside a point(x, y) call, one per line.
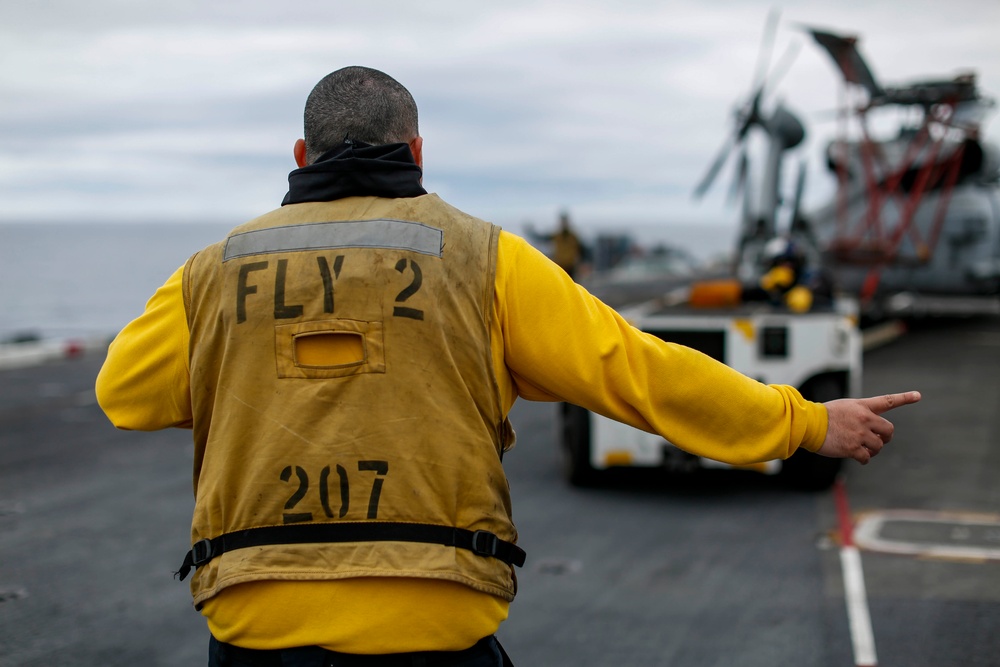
point(713, 170)
point(785, 64)
point(766, 49)
point(739, 178)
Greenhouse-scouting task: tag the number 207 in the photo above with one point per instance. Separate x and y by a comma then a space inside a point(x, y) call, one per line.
point(380, 468)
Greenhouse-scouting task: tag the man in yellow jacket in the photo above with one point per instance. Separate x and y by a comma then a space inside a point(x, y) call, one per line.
point(347, 363)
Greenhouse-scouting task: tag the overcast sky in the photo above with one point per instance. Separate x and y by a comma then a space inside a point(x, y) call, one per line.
point(187, 110)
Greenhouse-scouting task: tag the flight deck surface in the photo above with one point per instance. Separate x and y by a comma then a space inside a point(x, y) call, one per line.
point(720, 567)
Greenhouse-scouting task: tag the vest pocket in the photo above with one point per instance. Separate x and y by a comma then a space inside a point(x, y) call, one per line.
point(328, 349)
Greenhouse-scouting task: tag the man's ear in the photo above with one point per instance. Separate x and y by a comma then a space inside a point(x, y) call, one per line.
point(300, 152)
point(417, 148)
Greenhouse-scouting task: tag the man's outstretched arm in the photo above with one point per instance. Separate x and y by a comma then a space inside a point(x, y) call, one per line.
point(857, 428)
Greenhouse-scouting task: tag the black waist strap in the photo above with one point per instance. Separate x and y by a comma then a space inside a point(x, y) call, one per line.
point(480, 542)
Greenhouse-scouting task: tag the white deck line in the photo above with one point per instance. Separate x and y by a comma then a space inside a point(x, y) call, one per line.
point(858, 615)
point(859, 618)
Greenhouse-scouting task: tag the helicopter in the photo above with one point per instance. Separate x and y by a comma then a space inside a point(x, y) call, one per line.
point(914, 226)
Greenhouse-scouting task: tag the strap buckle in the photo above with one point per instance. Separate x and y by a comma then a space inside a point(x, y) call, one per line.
point(201, 552)
point(485, 543)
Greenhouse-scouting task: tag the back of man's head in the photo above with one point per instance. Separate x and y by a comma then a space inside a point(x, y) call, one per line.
point(358, 103)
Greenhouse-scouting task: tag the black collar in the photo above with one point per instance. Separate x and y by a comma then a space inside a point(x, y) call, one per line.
point(356, 169)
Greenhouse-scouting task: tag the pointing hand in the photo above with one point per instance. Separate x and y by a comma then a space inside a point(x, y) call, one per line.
point(856, 428)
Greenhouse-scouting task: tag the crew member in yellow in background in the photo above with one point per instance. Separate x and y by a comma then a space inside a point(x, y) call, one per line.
point(567, 250)
point(347, 363)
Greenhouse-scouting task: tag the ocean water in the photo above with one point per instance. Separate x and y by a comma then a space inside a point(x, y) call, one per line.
point(65, 281)
point(61, 281)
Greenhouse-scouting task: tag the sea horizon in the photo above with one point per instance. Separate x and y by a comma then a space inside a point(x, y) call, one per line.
point(65, 280)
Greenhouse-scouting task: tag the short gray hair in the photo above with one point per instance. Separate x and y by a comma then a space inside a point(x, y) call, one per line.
point(358, 103)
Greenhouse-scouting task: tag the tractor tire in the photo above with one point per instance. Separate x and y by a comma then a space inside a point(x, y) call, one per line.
point(575, 446)
point(804, 470)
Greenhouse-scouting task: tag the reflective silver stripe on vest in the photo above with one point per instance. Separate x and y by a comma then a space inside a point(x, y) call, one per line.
point(380, 233)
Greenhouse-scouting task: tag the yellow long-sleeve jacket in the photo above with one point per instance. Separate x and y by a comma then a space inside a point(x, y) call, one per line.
point(549, 340)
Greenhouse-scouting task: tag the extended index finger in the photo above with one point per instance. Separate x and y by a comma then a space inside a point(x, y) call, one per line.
point(880, 404)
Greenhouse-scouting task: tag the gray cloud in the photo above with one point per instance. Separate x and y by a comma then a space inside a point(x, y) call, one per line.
point(183, 110)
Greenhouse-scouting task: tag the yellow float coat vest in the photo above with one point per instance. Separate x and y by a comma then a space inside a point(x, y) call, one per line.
point(341, 374)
